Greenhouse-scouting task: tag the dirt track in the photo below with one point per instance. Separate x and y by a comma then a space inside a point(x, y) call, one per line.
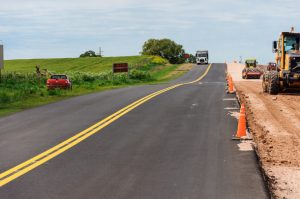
point(275, 124)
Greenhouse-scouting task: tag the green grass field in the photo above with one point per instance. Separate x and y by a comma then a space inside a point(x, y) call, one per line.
point(20, 88)
point(88, 64)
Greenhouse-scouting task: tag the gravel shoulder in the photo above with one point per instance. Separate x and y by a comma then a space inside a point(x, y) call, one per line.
point(274, 122)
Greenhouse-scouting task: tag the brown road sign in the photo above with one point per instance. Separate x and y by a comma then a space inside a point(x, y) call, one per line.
point(120, 67)
point(186, 56)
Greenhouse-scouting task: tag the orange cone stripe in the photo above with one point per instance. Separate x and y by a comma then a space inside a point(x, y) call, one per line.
point(241, 132)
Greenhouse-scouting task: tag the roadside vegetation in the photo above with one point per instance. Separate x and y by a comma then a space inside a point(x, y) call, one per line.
point(89, 53)
point(84, 64)
point(21, 87)
point(165, 48)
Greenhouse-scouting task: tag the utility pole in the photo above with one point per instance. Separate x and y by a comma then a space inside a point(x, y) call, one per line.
point(1, 58)
point(100, 52)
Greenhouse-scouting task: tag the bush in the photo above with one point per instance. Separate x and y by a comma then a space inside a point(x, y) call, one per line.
point(57, 92)
point(159, 60)
point(139, 75)
point(107, 78)
point(89, 53)
point(16, 87)
point(4, 97)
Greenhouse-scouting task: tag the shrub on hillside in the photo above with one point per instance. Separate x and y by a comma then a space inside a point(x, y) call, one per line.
point(89, 53)
point(159, 60)
point(5, 97)
point(106, 78)
point(139, 75)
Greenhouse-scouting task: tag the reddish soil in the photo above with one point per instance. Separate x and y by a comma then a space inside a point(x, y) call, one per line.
point(274, 121)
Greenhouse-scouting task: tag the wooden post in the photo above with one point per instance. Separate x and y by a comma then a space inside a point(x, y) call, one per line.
point(38, 72)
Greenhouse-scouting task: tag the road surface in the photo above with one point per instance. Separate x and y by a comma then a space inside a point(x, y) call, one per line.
point(176, 145)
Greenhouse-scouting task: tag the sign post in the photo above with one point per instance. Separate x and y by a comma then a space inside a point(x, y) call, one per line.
point(1, 59)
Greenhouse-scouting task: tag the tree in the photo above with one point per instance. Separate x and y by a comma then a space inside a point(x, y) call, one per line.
point(191, 59)
point(165, 48)
point(89, 53)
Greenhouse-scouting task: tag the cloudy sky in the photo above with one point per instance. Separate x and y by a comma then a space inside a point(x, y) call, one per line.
point(66, 28)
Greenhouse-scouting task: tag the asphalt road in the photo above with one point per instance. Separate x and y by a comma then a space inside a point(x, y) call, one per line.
point(176, 145)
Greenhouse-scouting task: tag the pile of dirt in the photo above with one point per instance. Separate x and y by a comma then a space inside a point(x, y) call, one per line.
point(275, 124)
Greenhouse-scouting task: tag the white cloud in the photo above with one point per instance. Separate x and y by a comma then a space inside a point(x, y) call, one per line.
point(52, 23)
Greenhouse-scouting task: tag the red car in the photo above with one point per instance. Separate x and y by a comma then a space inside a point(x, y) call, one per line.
point(59, 81)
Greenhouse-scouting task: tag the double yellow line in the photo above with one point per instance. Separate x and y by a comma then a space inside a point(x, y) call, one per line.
point(45, 156)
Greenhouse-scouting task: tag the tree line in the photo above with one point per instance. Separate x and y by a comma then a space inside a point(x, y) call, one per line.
point(165, 48)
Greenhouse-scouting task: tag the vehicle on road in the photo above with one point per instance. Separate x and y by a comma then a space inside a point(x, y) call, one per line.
point(202, 57)
point(287, 76)
point(251, 70)
point(59, 81)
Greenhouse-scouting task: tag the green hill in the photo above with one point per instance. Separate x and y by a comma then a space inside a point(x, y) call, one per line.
point(89, 64)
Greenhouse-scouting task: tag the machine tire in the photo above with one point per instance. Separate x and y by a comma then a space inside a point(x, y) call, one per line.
point(273, 85)
point(264, 85)
point(243, 73)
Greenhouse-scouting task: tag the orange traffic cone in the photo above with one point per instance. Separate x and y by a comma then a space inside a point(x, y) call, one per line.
point(242, 128)
point(243, 109)
point(230, 85)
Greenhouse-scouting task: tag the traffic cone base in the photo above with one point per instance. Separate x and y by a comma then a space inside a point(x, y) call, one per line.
point(241, 133)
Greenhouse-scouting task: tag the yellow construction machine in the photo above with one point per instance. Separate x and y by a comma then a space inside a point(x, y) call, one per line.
point(286, 74)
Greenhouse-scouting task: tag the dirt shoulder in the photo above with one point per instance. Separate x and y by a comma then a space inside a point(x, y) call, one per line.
point(180, 70)
point(275, 124)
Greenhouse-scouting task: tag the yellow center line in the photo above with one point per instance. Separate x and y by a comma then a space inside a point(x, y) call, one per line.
point(45, 156)
point(73, 138)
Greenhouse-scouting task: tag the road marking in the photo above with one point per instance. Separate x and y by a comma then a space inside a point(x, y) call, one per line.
point(245, 146)
point(231, 108)
point(49, 154)
point(229, 99)
point(222, 83)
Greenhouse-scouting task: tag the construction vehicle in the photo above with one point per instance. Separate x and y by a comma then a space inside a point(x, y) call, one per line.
point(287, 74)
point(271, 66)
point(251, 70)
point(202, 57)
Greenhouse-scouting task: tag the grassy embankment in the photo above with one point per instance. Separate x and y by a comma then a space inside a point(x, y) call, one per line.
point(20, 88)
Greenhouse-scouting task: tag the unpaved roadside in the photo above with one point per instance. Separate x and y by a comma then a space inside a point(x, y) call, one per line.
point(275, 124)
point(180, 70)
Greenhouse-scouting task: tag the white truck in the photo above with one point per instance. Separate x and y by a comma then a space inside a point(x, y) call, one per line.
point(202, 57)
